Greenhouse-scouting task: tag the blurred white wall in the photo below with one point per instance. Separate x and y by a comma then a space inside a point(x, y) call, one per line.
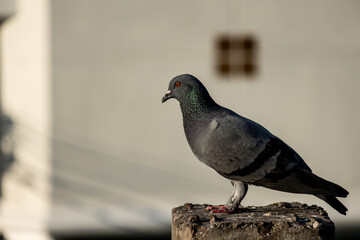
point(25, 74)
point(119, 157)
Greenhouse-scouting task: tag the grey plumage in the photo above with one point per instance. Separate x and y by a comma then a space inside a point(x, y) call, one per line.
point(242, 150)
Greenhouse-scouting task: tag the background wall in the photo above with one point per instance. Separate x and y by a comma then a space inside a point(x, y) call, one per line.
point(25, 98)
point(119, 158)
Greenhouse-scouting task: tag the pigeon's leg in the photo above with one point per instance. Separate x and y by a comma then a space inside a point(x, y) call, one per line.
point(239, 192)
point(233, 204)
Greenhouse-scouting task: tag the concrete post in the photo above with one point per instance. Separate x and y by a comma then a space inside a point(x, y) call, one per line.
point(275, 221)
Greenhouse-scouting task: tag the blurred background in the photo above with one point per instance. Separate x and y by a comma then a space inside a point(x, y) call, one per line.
point(87, 148)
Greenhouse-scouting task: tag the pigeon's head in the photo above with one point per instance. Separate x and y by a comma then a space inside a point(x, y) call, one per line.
point(186, 88)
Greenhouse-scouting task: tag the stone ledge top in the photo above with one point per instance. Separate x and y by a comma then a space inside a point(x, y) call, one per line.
point(279, 220)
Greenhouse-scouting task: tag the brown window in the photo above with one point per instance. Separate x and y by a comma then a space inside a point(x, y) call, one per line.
point(236, 55)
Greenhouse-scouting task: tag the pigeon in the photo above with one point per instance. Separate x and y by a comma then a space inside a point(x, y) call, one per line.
point(242, 150)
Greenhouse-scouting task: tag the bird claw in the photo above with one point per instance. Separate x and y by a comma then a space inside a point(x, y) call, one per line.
point(221, 209)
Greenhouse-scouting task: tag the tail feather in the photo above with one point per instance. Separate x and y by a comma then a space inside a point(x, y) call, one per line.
point(301, 181)
point(333, 202)
point(318, 183)
point(304, 181)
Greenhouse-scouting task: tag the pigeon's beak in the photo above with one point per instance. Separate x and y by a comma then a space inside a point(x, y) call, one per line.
point(167, 96)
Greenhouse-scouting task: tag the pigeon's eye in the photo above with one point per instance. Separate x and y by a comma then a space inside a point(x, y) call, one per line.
point(177, 84)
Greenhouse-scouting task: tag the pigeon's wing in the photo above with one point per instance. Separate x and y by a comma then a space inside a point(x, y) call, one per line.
point(241, 149)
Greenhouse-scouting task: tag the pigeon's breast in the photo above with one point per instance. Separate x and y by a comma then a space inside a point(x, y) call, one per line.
point(198, 137)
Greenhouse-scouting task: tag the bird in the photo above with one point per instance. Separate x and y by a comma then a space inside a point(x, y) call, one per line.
point(242, 150)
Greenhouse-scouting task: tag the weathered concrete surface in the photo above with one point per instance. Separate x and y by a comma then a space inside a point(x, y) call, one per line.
point(275, 221)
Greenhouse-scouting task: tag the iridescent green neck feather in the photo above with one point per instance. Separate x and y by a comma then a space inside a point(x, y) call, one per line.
point(197, 104)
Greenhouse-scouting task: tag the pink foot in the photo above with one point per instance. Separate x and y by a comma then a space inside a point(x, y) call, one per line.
point(219, 209)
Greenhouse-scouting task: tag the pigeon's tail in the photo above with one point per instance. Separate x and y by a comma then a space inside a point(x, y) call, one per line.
point(334, 202)
point(330, 190)
point(304, 181)
point(333, 189)
point(301, 181)
point(319, 185)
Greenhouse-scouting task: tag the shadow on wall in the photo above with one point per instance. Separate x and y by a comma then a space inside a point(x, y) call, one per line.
point(6, 146)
